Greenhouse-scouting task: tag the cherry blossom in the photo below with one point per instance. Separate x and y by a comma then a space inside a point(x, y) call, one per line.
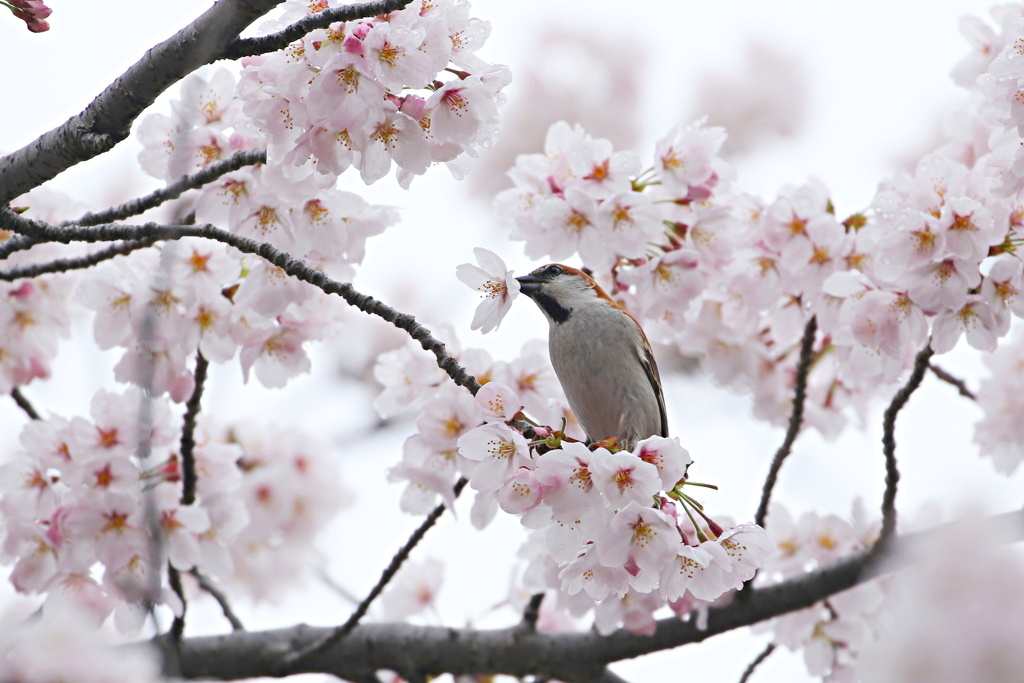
point(496, 451)
point(497, 402)
point(499, 286)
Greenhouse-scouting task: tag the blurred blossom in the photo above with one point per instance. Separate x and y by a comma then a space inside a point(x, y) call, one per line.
point(65, 645)
point(549, 86)
point(956, 615)
point(998, 434)
point(766, 97)
point(413, 590)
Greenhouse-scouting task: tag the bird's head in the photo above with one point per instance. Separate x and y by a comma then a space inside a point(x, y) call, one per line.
point(559, 290)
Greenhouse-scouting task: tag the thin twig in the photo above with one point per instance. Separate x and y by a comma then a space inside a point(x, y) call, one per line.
point(245, 47)
point(892, 473)
point(960, 385)
point(178, 626)
point(24, 403)
point(344, 593)
point(64, 265)
point(757, 662)
point(532, 611)
point(795, 419)
point(174, 190)
point(292, 266)
point(221, 598)
point(188, 428)
point(295, 658)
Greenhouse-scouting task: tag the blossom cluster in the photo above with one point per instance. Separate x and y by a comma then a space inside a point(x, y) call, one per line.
point(212, 298)
point(340, 97)
point(33, 318)
point(733, 279)
point(86, 502)
point(430, 463)
point(164, 305)
point(405, 87)
point(616, 523)
point(367, 93)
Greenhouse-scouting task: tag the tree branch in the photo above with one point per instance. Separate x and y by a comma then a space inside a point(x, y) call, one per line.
point(174, 190)
point(294, 660)
point(606, 676)
point(803, 368)
point(114, 232)
point(188, 428)
point(221, 598)
point(960, 385)
point(892, 473)
point(519, 651)
point(108, 119)
point(532, 611)
point(24, 403)
point(77, 263)
point(749, 671)
point(245, 47)
point(178, 625)
point(15, 244)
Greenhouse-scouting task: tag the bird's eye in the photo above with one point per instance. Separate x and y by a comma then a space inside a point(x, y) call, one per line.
point(553, 270)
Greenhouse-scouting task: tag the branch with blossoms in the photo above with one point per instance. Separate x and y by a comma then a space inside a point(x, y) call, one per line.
point(160, 324)
point(517, 651)
point(130, 208)
point(813, 314)
point(293, 267)
point(107, 120)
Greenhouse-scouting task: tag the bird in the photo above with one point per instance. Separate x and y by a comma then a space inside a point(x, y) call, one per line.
point(600, 355)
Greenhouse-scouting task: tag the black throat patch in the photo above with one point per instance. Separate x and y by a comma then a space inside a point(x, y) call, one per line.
point(554, 309)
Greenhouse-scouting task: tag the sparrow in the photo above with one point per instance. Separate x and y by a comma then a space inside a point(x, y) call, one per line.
point(601, 356)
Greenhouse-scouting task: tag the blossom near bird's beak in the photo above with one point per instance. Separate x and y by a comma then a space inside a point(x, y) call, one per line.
point(529, 284)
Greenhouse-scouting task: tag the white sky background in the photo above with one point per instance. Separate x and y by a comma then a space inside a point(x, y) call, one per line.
point(875, 78)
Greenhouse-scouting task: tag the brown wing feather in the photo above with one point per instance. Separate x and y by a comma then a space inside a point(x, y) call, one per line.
point(646, 355)
point(651, 368)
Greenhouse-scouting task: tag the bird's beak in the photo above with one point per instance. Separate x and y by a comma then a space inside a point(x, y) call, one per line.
point(529, 285)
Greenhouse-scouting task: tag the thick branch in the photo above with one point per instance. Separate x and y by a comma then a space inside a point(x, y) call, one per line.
point(114, 232)
point(803, 368)
point(244, 47)
point(108, 119)
point(520, 651)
